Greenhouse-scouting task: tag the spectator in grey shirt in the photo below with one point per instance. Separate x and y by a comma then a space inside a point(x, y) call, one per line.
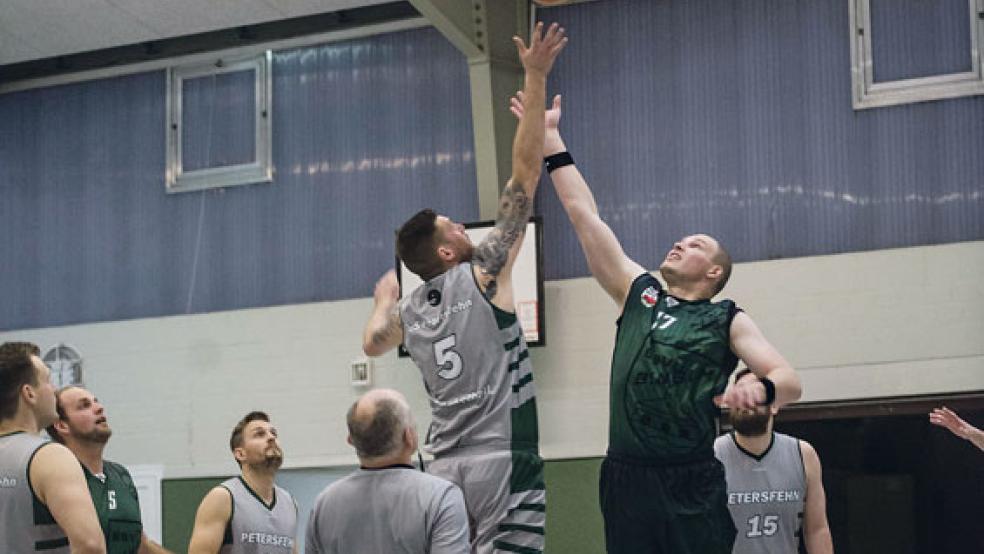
point(387, 506)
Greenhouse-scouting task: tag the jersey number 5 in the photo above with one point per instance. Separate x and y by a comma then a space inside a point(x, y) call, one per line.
point(448, 360)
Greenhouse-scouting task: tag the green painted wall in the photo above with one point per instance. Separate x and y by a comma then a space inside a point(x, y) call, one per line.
point(180, 499)
point(574, 523)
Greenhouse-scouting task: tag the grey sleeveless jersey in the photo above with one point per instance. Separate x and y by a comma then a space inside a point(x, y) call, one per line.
point(475, 366)
point(765, 494)
point(256, 528)
point(26, 525)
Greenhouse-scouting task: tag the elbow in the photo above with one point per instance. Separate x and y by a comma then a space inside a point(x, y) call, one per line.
point(371, 349)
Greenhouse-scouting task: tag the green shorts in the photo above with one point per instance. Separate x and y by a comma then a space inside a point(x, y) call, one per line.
point(671, 509)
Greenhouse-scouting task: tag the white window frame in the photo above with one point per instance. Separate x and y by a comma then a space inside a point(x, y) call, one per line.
point(259, 170)
point(868, 94)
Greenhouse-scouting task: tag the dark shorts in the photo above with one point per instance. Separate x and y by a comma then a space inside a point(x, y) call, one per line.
point(671, 509)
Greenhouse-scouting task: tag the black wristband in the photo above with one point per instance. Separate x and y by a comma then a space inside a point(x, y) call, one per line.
point(558, 160)
point(770, 390)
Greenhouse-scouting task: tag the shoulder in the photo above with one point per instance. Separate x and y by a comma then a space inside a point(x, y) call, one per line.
point(807, 451)
point(218, 495)
point(644, 292)
point(52, 454)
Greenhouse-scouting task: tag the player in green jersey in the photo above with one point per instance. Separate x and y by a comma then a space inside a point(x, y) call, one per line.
point(661, 488)
point(82, 427)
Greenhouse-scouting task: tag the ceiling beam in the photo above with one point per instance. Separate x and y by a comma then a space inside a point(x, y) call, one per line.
point(482, 30)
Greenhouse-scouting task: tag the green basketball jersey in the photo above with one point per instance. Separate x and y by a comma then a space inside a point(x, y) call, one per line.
point(115, 498)
point(671, 358)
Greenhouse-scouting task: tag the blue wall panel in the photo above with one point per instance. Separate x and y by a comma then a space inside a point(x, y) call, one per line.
point(365, 133)
point(735, 119)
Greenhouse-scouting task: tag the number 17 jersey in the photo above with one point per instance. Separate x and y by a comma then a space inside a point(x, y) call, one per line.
point(475, 366)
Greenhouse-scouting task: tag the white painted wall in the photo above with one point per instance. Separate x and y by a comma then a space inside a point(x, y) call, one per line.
point(872, 324)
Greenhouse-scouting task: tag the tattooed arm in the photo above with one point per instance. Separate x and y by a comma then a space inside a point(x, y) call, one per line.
point(494, 256)
point(384, 331)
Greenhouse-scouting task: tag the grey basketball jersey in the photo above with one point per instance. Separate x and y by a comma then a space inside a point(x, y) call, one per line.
point(256, 528)
point(765, 494)
point(475, 366)
point(26, 525)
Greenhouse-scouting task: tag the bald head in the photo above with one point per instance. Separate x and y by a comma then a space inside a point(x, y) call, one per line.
point(377, 423)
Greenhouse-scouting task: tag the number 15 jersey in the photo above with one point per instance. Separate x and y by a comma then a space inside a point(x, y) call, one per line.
point(475, 365)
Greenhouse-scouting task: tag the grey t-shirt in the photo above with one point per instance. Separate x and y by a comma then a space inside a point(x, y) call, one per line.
point(393, 510)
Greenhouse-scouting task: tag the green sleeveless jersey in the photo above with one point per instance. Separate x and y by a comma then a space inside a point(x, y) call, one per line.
point(115, 498)
point(671, 358)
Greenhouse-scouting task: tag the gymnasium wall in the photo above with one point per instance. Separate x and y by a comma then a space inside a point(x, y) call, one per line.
point(732, 119)
point(360, 127)
point(885, 323)
point(855, 326)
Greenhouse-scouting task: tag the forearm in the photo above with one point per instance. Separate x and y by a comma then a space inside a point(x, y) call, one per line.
point(788, 385)
point(148, 546)
point(976, 437)
point(528, 142)
point(819, 541)
point(378, 331)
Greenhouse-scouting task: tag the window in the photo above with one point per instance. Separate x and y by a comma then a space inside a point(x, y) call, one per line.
point(218, 124)
point(905, 51)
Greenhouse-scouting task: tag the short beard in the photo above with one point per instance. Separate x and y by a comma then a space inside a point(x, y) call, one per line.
point(274, 461)
point(750, 425)
point(97, 435)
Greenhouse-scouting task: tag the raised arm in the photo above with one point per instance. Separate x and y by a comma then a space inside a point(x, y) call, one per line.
point(607, 261)
point(57, 480)
point(948, 419)
point(384, 331)
point(751, 346)
point(816, 530)
point(210, 522)
point(496, 253)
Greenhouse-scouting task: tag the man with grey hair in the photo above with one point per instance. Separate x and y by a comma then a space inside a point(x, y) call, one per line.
point(386, 505)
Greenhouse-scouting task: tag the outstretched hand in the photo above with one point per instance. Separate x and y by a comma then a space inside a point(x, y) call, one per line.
point(551, 117)
point(947, 418)
point(543, 48)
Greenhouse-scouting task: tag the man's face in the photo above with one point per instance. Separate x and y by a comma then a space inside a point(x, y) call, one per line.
point(452, 236)
point(690, 258)
point(85, 417)
point(45, 391)
point(260, 446)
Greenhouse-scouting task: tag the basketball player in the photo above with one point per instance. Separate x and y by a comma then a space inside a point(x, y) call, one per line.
point(948, 419)
point(461, 330)
point(44, 503)
point(387, 505)
point(82, 427)
point(775, 489)
point(248, 514)
point(662, 490)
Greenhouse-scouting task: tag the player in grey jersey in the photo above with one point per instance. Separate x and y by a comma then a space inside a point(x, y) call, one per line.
point(248, 514)
point(44, 501)
point(775, 490)
point(461, 330)
point(387, 505)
